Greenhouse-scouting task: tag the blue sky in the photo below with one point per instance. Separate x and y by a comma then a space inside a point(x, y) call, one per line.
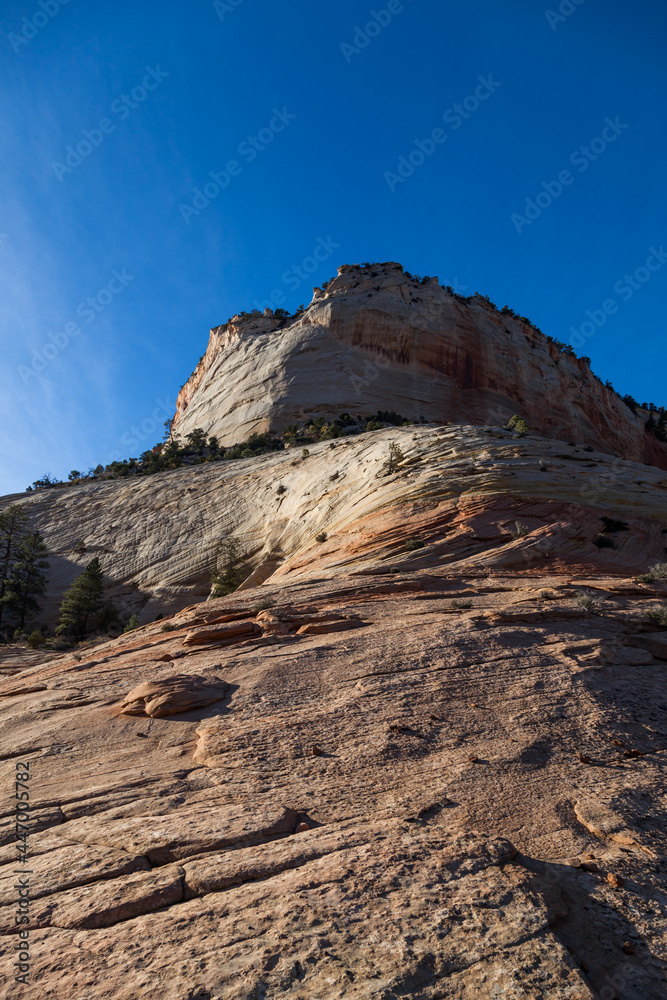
point(110, 281)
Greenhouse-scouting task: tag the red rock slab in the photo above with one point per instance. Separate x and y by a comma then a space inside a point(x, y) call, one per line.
point(202, 636)
point(171, 695)
point(181, 833)
point(67, 867)
point(103, 904)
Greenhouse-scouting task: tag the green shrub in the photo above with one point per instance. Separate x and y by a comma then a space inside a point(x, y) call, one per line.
point(60, 645)
point(586, 600)
point(322, 537)
point(462, 605)
point(132, 624)
point(281, 489)
point(168, 627)
point(35, 639)
point(230, 569)
point(518, 425)
point(413, 543)
point(657, 616)
point(82, 602)
point(519, 530)
point(657, 572)
point(305, 453)
point(393, 458)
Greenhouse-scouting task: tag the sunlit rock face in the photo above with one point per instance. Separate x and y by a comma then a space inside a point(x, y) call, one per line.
point(378, 339)
point(156, 536)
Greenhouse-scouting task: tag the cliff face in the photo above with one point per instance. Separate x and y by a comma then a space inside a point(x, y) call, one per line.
point(377, 339)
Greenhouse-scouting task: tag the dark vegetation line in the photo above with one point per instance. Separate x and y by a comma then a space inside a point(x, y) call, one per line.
point(197, 449)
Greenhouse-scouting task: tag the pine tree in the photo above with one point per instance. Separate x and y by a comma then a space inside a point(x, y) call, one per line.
point(13, 527)
point(81, 601)
point(27, 580)
point(660, 429)
point(395, 456)
point(230, 571)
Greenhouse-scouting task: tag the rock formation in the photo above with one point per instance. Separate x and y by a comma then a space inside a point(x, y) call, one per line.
point(460, 798)
point(378, 339)
point(417, 754)
point(156, 537)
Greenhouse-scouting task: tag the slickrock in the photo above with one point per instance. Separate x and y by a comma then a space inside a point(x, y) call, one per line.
point(229, 633)
point(419, 755)
point(102, 904)
point(433, 846)
point(171, 695)
point(460, 490)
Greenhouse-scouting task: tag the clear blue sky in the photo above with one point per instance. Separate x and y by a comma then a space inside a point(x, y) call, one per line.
point(332, 111)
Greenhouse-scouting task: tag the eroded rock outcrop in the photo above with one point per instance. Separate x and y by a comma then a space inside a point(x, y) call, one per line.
point(173, 695)
point(377, 339)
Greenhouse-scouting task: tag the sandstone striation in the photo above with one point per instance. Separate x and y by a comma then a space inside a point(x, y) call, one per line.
point(460, 799)
point(459, 491)
point(378, 339)
point(172, 695)
point(418, 754)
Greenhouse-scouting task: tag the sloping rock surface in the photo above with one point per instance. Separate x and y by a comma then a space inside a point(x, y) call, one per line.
point(461, 799)
point(459, 491)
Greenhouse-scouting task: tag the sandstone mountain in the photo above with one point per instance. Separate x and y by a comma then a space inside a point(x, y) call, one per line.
point(387, 773)
point(378, 339)
point(418, 754)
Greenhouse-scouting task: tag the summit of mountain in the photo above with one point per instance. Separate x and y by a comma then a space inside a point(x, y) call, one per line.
point(376, 337)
